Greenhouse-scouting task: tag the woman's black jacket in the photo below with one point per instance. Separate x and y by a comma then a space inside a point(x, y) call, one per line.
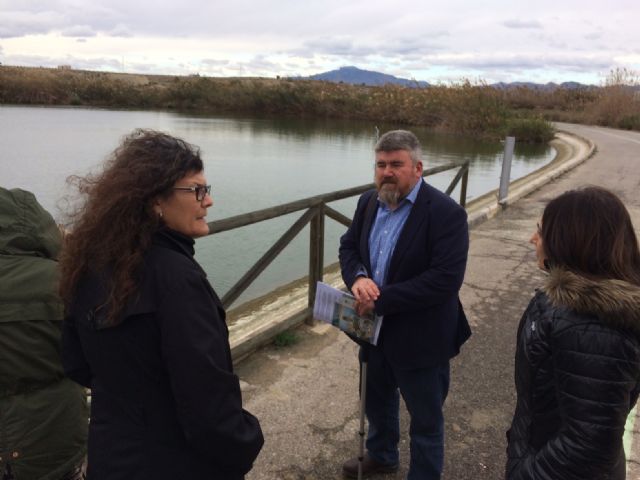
point(577, 373)
point(165, 401)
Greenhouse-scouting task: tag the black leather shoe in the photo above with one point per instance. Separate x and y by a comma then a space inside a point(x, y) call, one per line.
point(369, 467)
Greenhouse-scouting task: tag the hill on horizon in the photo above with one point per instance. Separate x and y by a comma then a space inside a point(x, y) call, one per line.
point(356, 76)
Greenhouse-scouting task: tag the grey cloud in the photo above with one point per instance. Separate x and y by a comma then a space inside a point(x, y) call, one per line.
point(89, 64)
point(261, 65)
point(409, 46)
point(18, 24)
point(437, 33)
point(558, 45)
point(526, 62)
point(214, 63)
point(262, 62)
point(520, 24)
point(173, 19)
point(549, 40)
point(346, 47)
point(120, 30)
point(334, 46)
point(78, 31)
point(593, 36)
point(412, 58)
point(140, 67)
point(81, 40)
point(75, 62)
point(46, 17)
point(214, 71)
point(289, 19)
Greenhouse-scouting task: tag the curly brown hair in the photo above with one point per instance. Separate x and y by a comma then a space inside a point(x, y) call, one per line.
point(113, 227)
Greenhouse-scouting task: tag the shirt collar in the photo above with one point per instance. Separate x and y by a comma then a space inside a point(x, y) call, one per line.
point(414, 191)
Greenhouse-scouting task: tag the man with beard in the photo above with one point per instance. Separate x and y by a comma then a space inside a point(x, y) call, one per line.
point(404, 257)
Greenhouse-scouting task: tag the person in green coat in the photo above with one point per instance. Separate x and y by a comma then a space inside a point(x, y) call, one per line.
point(43, 414)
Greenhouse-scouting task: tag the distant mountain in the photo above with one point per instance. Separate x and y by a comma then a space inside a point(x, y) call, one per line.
point(542, 86)
point(356, 76)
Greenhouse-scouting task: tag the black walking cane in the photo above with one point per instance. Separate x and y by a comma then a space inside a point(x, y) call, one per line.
point(364, 358)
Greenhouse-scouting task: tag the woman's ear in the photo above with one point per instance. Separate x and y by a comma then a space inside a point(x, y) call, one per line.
point(157, 208)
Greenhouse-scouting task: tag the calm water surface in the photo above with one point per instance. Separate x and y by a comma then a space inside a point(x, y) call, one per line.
point(251, 163)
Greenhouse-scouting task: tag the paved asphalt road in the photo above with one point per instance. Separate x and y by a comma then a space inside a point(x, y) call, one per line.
point(306, 395)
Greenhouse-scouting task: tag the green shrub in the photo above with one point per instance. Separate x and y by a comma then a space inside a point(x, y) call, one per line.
point(530, 130)
point(630, 122)
point(286, 339)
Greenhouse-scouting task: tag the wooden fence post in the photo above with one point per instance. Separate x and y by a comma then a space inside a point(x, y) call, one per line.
point(316, 254)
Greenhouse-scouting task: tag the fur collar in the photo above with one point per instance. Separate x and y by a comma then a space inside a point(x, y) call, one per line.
point(615, 302)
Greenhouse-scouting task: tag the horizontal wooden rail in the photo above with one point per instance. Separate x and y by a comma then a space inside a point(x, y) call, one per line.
point(230, 223)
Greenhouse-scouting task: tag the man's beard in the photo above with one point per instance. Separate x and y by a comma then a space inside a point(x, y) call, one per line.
point(390, 196)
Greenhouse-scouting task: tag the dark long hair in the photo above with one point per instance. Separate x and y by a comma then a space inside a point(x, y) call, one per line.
point(113, 227)
point(589, 232)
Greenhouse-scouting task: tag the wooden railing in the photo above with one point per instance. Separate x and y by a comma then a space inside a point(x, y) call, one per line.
point(315, 208)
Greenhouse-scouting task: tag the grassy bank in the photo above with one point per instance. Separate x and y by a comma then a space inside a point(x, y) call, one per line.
point(465, 108)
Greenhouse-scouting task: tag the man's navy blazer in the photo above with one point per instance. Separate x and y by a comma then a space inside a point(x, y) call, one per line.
point(424, 323)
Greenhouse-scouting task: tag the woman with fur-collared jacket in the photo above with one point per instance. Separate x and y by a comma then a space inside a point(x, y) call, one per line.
point(577, 365)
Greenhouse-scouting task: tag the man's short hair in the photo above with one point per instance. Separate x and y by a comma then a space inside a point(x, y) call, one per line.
point(400, 140)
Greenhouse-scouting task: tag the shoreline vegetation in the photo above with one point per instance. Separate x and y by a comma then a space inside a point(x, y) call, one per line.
point(472, 109)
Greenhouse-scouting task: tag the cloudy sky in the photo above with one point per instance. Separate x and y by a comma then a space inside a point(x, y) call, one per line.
point(436, 41)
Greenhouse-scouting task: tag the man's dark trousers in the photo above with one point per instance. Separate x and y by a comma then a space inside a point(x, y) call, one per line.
point(424, 391)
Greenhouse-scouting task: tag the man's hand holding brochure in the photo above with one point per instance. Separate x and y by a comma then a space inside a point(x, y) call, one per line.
point(338, 308)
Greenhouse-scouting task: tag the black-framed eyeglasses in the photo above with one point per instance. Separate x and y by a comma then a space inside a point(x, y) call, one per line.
point(201, 191)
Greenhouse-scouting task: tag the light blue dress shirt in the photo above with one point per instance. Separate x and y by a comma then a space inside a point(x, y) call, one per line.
point(385, 232)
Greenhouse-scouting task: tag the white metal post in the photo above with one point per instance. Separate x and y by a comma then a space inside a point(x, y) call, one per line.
point(505, 176)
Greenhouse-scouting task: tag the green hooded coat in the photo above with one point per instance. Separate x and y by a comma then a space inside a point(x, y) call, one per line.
point(43, 415)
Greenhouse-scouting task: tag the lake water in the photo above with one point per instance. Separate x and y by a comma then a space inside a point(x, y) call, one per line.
point(251, 164)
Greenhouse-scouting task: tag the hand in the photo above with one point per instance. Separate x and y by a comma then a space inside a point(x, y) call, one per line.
point(365, 289)
point(364, 308)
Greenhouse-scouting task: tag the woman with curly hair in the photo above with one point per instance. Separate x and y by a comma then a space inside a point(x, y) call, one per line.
point(577, 365)
point(144, 329)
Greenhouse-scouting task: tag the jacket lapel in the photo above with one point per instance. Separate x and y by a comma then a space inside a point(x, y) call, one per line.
point(417, 216)
point(369, 216)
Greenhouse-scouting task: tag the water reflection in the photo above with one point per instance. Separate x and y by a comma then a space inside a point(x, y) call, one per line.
point(252, 163)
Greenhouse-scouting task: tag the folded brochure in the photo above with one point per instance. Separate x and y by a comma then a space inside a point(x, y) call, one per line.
point(338, 308)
